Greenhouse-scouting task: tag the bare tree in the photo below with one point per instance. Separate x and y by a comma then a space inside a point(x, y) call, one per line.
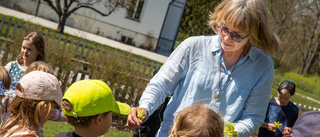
point(281, 13)
point(70, 6)
point(308, 18)
point(297, 24)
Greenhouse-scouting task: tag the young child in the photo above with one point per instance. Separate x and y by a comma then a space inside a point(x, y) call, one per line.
point(32, 49)
point(5, 83)
point(38, 96)
point(197, 121)
point(39, 66)
point(307, 125)
point(281, 110)
point(45, 67)
point(88, 106)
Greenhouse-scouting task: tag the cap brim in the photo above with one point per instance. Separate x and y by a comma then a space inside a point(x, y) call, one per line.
point(122, 108)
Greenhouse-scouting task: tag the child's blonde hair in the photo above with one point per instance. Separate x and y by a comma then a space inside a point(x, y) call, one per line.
point(27, 114)
point(5, 77)
point(39, 66)
point(197, 121)
point(38, 95)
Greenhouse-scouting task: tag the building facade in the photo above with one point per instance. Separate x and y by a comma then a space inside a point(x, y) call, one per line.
point(139, 26)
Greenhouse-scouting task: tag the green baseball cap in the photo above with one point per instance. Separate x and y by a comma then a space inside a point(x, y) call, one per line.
point(92, 97)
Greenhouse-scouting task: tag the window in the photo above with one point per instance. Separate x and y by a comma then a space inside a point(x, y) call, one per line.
point(134, 9)
point(126, 40)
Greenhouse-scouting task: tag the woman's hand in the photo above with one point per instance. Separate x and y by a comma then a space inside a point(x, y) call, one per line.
point(287, 131)
point(133, 121)
point(270, 126)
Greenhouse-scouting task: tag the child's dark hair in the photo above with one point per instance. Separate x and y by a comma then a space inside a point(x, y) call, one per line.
point(79, 121)
point(288, 85)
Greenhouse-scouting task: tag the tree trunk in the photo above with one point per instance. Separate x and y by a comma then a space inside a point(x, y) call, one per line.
point(62, 22)
point(307, 65)
point(302, 68)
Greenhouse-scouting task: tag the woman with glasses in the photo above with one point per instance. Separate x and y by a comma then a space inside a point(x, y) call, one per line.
point(233, 69)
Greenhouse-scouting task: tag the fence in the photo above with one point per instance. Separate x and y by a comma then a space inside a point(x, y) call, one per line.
point(126, 89)
point(75, 59)
point(140, 65)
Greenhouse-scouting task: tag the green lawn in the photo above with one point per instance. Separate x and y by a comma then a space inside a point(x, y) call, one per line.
point(52, 128)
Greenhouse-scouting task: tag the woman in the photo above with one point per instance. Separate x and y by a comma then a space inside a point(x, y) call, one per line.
point(232, 68)
point(32, 49)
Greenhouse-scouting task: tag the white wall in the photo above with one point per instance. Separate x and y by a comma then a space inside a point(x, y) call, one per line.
point(144, 32)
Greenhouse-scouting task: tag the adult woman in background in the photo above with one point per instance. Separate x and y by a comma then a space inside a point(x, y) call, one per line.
point(232, 68)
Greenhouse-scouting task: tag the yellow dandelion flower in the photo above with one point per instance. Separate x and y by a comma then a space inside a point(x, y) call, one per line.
point(140, 114)
point(277, 124)
point(229, 130)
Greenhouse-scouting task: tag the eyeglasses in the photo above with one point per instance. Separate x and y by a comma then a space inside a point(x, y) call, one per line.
point(236, 37)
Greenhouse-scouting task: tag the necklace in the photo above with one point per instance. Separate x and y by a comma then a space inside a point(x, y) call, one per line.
point(217, 95)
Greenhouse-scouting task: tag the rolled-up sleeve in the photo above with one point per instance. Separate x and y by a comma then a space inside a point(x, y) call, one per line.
point(165, 81)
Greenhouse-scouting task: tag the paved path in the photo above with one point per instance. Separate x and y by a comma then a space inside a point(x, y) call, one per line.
point(84, 35)
point(309, 98)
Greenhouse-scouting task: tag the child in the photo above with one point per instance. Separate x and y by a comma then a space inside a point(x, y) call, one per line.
point(32, 49)
point(307, 125)
point(38, 95)
point(281, 110)
point(39, 66)
point(88, 106)
point(42, 66)
point(197, 121)
point(5, 83)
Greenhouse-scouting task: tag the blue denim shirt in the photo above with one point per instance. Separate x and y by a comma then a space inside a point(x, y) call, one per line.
point(191, 73)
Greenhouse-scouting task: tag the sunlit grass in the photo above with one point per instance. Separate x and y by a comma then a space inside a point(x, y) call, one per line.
point(52, 128)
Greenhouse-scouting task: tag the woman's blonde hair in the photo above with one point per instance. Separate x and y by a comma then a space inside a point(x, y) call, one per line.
point(249, 16)
point(5, 78)
point(26, 113)
point(39, 66)
point(37, 40)
point(197, 121)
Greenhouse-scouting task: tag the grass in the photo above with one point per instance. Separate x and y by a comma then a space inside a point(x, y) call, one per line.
point(306, 86)
point(52, 128)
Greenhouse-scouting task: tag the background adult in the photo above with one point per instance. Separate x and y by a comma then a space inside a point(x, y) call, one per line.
point(232, 68)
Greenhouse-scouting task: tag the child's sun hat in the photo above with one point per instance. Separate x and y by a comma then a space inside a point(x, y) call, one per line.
point(307, 125)
point(92, 97)
point(38, 85)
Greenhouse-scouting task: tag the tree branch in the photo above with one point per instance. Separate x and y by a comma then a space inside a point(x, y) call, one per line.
point(49, 2)
point(58, 5)
point(81, 5)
